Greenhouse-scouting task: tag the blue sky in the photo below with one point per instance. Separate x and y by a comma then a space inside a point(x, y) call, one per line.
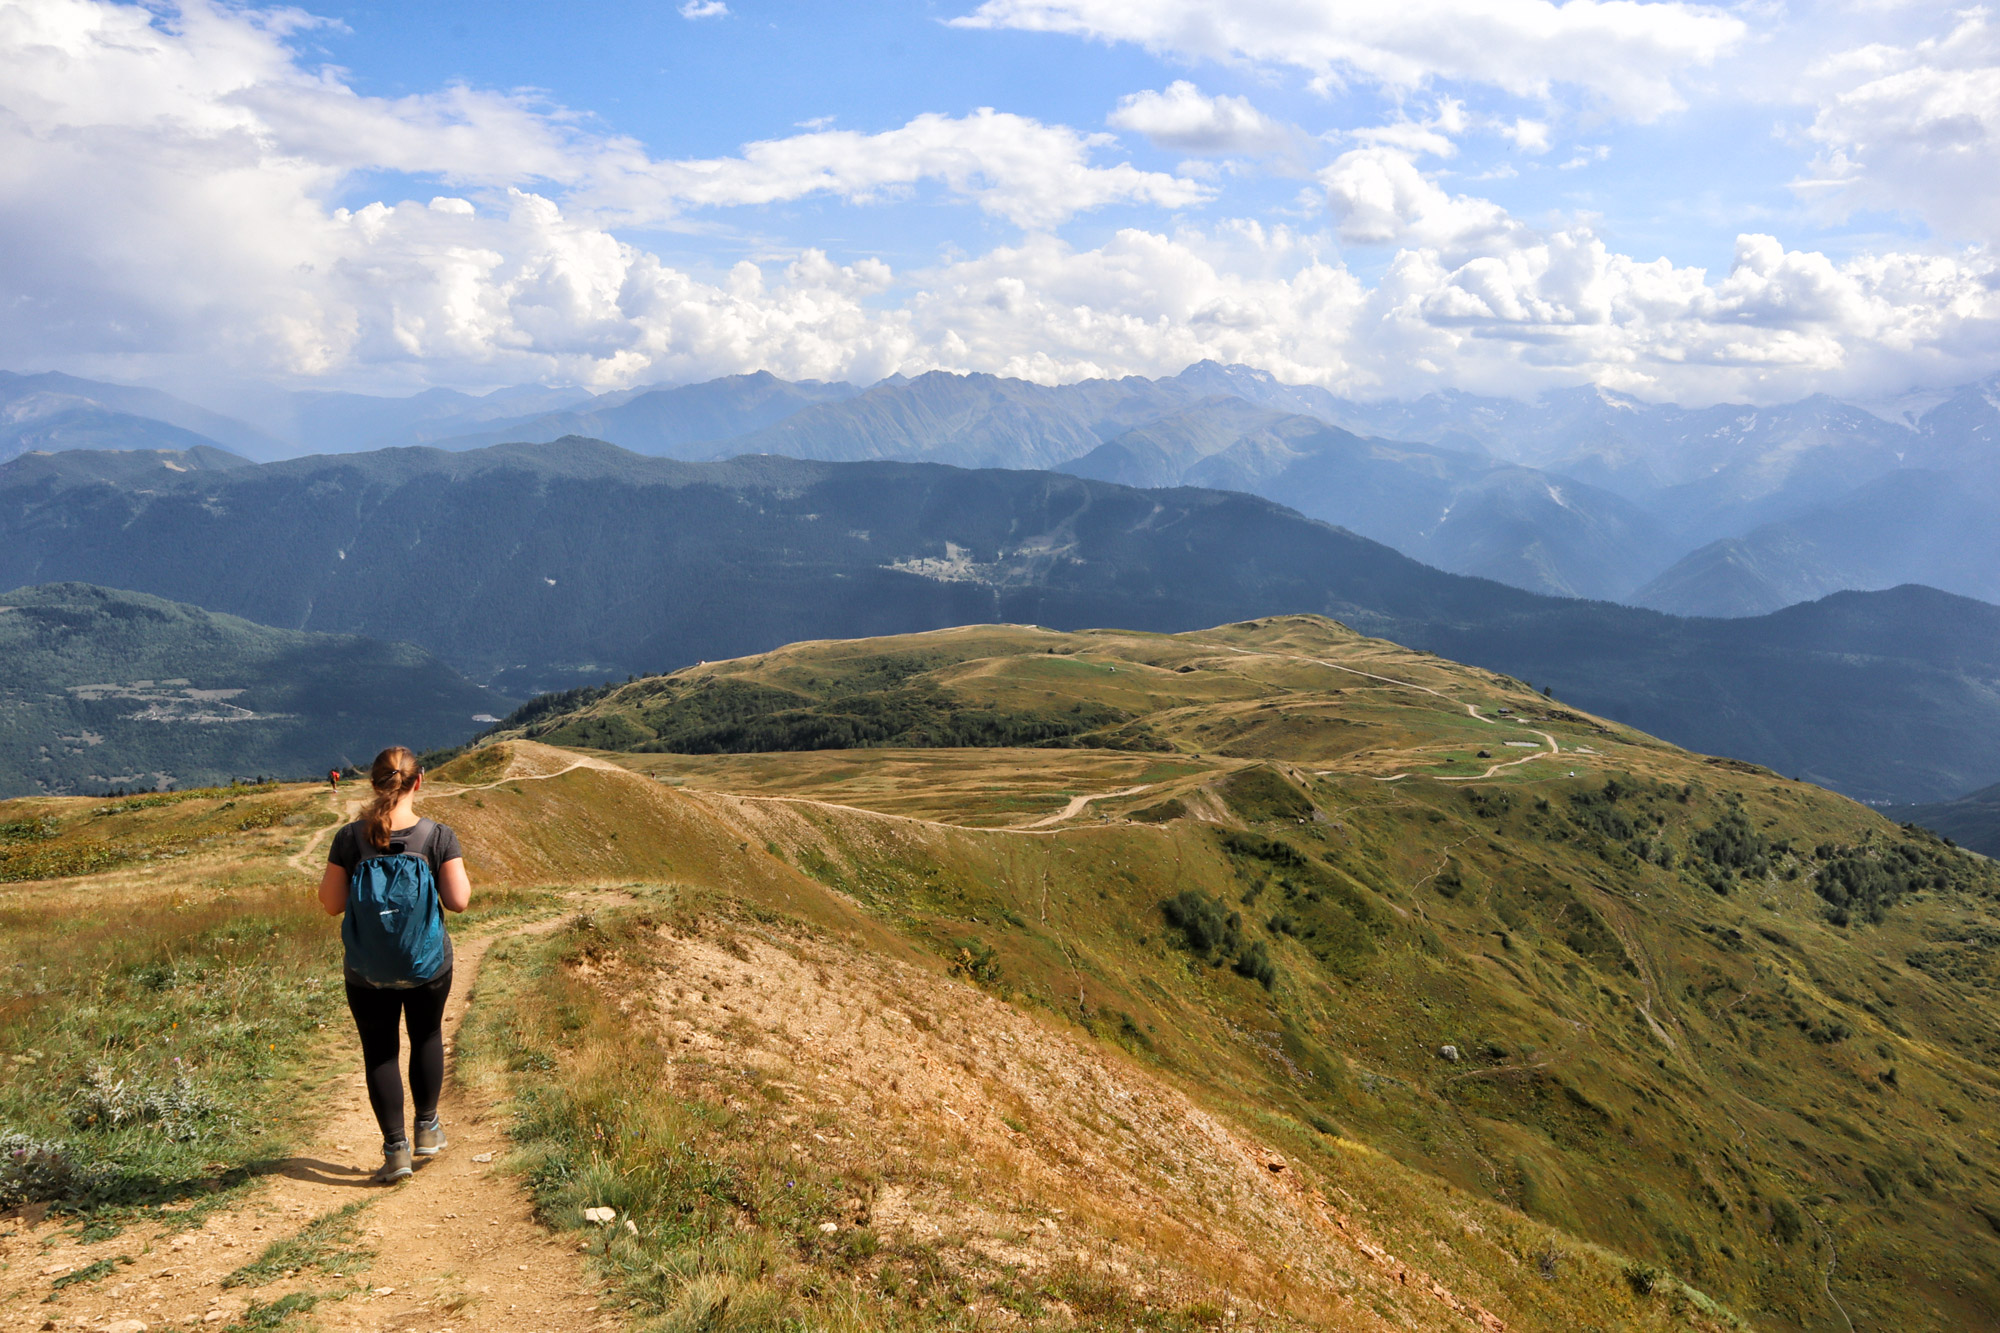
point(1678, 200)
point(1681, 187)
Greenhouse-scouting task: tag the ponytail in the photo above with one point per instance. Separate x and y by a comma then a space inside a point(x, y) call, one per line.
point(392, 775)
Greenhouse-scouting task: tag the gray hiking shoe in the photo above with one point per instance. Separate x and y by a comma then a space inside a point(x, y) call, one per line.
point(395, 1163)
point(430, 1138)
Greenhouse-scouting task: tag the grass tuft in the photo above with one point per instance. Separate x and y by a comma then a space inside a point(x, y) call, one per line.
point(323, 1243)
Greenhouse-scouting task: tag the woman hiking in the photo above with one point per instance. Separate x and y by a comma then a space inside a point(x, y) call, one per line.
point(390, 872)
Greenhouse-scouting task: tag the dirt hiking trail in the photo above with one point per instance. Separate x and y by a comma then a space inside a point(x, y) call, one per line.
point(455, 1247)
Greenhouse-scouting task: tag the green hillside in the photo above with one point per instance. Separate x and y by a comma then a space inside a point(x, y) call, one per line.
point(1729, 1025)
point(111, 689)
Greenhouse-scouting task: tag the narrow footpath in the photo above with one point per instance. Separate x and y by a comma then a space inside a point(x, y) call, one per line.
point(456, 1247)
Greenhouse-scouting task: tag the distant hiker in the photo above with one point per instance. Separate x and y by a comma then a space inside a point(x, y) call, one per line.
point(333, 778)
point(394, 875)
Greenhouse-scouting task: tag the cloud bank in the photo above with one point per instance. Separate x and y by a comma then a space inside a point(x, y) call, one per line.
point(172, 187)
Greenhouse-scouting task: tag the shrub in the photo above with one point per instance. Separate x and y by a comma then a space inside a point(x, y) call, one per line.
point(1213, 934)
point(34, 1171)
point(1732, 843)
point(1257, 847)
point(1203, 924)
point(180, 1108)
point(1255, 963)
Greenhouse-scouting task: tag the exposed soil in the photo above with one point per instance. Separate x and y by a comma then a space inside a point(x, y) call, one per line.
point(1012, 1145)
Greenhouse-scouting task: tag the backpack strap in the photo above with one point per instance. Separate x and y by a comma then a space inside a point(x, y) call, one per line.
point(417, 842)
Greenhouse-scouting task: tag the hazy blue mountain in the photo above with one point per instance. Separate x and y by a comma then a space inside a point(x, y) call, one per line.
point(536, 566)
point(968, 421)
point(87, 426)
point(1212, 379)
point(1161, 452)
point(1462, 511)
point(1962, 434)
point(57, 411)
point(117, 689)
point(1909, 526)
point(319, 421)
point(1701, 472)
point(1970, 821)
point(668, 422)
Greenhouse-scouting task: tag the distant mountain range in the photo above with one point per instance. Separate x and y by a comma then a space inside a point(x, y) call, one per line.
point(54, 411)
point(1717, 511)
point(109, 689)
point(541, 566)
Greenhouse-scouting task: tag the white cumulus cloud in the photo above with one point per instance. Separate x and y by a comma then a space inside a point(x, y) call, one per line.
point(704, 9)
point(1625, 54)
point(171, 191)
point(1379, 197)
point(1186, 119)
point(1530, 136)
point(1914, 128)
point(1032, 174)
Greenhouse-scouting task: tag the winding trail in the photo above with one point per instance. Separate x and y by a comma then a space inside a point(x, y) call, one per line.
point(1040, 828)
point(1554, 750)
point(1077, 805)
point(1471, 711)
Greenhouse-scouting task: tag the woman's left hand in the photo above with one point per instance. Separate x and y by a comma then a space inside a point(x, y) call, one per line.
point(333, 889)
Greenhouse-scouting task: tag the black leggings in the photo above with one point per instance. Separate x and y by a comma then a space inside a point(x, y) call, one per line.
point(422, 1011)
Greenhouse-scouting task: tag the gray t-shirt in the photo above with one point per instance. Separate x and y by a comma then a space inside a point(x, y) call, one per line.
point(427, 838)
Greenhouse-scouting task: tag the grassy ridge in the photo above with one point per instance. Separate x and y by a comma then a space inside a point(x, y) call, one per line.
point(1724, 1023)
point(169, 1001)
point(725, 1219)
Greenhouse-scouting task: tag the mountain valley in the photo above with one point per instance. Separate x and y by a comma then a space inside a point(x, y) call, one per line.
point(538, 567)
point(110, 689)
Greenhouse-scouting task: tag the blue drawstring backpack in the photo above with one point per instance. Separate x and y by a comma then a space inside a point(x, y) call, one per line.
point(394, 925)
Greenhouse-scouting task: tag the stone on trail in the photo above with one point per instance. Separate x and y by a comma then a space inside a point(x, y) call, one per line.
point(601, 1216)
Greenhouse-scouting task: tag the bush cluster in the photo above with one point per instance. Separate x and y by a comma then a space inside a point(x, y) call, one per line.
point(1867, 881)
point(1732, 844)
point(1210, 932)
